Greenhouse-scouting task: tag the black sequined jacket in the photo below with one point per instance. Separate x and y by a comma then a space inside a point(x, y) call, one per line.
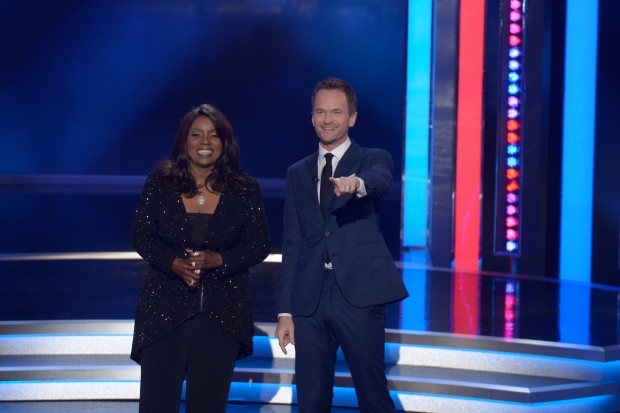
point(160, 232)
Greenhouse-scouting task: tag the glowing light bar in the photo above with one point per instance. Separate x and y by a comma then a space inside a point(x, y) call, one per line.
point(469, 135)
point(575, 262)
point(510, 131)
point(417, 114)
point(510, 309)
point(98, 256)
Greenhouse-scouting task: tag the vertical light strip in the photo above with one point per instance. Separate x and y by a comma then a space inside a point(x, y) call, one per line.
point(469, 135)
point(466, 303)
point(578, 142)
point(510, 136)
point(574, 323)
point(417, 115)
point(415, 277)
point(511, 302)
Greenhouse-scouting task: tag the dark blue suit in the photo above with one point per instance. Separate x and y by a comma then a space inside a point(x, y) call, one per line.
point(344, 307)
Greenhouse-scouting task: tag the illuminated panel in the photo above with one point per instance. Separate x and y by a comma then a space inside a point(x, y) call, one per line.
point(417, 114)
point(466, 303)
point(578, 140)
point(415, 275)
point(469, 136)
point(508, 192)
point(510, 309)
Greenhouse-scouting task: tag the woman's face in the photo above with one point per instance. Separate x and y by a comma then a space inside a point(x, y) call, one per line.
point(204, 146)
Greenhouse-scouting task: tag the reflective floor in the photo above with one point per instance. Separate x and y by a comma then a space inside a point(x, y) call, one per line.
point(132, 407)
point(498, 305)
point(97, 287)
point(62, 217)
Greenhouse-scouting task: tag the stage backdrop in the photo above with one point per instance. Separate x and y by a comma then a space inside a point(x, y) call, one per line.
point(99, 87)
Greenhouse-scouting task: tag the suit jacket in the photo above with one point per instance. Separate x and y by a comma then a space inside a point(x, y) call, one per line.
point(350, 234)
point(161, 231)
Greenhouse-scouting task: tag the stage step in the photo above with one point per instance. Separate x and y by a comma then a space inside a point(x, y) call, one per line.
point(88, 360)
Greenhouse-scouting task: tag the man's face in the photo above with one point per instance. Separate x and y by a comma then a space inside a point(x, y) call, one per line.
point(331, 118)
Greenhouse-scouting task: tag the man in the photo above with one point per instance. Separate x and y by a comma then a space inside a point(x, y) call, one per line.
point(337, 272)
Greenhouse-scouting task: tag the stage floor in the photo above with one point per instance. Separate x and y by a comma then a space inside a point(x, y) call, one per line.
point(506, 313)
point(132, 407)
point(85, 287)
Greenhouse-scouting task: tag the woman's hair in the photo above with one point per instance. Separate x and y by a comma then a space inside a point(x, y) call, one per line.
point(334, 83)
point(226, 175)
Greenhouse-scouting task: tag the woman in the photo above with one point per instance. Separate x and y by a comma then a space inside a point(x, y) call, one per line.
point(200, 224)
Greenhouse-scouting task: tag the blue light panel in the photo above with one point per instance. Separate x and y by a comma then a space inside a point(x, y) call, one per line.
point(417, 115)
point(578, 141)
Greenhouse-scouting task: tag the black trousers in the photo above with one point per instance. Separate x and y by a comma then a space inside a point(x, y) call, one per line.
point(361, 334)
point(198, 351)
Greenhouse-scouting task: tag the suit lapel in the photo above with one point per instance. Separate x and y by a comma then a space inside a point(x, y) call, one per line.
point(349, 162)
point(310, 185)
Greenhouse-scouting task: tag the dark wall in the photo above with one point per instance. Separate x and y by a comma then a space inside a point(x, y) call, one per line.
point(99, 87)
point(543, 145)
point(543, 44)
point(606, 207)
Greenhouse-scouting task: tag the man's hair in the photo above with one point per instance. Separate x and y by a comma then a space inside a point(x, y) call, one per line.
point(334, 83)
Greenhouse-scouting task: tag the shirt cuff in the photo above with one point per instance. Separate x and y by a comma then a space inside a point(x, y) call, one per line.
point(285, 315)
point(361, 189)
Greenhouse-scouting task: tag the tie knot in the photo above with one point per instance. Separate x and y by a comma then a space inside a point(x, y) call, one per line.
point(328, 157)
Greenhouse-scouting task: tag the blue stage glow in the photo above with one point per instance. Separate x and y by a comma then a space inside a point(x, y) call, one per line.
point(514, 65)
point(578, 141)
point(512, 162)
point(418, 103)
point(512, 149)
point(514, 52)
point(513, 89)
point(415, 277)
point(574, 326)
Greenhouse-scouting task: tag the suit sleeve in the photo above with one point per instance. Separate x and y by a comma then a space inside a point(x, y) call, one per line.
point(377, 172)
point(291, 242)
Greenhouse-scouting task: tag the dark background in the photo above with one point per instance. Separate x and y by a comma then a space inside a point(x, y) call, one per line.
point(99, 88)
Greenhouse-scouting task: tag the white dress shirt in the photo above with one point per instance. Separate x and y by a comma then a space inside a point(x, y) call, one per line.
point(338, 154)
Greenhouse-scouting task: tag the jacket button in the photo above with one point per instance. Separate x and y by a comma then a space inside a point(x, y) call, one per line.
point(327, 233)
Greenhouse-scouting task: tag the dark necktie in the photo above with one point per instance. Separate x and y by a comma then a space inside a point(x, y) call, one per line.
point(326, 173)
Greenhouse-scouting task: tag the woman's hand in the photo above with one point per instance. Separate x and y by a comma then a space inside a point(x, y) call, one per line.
point(198, 261)
point(190, 274)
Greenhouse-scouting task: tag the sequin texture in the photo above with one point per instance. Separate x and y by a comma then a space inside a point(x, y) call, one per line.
point(161, 231)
